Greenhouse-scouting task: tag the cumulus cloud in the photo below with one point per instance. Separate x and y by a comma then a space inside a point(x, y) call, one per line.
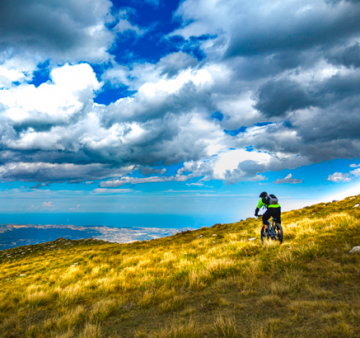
point(278, 97)
point(344, 177)
point(57, 102)
point(172, 64)
point(66, 30)
point(292, 101)
point(125, 26)
point(339, 177)
point(355, 172)
point(288, 179)
point(238, 165)
point(269, 29)
point(14, 69)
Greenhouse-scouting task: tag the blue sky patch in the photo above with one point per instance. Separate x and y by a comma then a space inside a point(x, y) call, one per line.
point(41, 75)
point(235, 132)
point(111, 94)
point(262, 124)
point(218, 116)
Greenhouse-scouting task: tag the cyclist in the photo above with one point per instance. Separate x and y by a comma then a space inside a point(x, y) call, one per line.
point(270, 202)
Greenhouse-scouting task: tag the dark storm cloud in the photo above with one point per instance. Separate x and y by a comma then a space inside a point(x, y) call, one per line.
point(54, 27)
point(278, 97)
point(337, 88)
point(349, 56)
point(276, 34)
point(331, 126)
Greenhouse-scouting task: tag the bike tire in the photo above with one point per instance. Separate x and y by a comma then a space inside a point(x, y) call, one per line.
point(263, 235)
point(279, 232)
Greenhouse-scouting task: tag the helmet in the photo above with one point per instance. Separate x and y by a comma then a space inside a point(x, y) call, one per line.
point(263, 194)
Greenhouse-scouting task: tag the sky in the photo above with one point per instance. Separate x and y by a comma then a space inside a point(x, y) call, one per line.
point(175, 108)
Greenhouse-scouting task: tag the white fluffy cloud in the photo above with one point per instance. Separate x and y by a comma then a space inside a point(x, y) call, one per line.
point(67, 94)
point(240, 165)
point(292, 102)
point(339, 177)
point(288, 179)
point(15, 69)
point(344, 177)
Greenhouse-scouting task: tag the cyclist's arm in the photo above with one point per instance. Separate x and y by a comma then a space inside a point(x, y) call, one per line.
point(259, 206)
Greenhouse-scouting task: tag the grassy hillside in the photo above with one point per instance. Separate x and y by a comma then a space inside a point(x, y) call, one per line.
point(218, 285)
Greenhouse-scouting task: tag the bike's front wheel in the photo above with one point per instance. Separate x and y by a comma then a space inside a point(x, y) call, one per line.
point(264, 235)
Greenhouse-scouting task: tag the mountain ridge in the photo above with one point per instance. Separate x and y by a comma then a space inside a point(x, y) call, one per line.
point(210, 282)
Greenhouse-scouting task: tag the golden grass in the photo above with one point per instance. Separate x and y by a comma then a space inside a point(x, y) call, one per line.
point(225, 327)
point(72, 319)
point(91, 331)
point(102, 309)
point(187, 330)
point(185, 286)
point(40, 298)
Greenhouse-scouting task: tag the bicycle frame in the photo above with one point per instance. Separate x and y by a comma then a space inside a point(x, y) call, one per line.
point(274, 231)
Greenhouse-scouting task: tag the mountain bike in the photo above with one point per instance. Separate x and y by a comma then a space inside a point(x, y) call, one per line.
point(273, 232)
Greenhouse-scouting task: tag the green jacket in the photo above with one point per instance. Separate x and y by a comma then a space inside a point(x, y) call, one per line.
point(261, 204)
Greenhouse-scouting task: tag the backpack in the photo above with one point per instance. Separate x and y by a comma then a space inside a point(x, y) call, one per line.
point(270, 199)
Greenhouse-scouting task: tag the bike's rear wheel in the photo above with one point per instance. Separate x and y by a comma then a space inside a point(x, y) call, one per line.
point(279, 232)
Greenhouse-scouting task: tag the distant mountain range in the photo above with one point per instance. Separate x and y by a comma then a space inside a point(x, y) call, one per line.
point(14, 235)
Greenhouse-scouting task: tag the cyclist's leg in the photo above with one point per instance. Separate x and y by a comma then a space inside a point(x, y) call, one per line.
point(276, 213)
point(277, 217)
point(265, 218)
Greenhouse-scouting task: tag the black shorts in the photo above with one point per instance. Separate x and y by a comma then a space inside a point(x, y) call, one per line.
point(275, 213)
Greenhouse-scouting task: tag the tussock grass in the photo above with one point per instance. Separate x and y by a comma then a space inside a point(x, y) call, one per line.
point(102, 309)
point(174, 304)
point(68, 334)
point(225, 327)
point(91, 331)
point(72, 319)
point(187, 330)
point(185, 286)
point(40, 298)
